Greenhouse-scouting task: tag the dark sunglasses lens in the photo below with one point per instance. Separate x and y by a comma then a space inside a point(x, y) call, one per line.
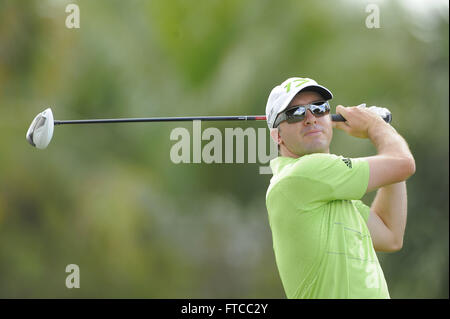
point(296, 114)
point(320, 109)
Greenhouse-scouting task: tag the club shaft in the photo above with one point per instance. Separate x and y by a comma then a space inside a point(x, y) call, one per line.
point(334, 117)
point(167, 119)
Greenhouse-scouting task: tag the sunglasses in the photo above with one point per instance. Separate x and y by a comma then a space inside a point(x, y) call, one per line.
point(298, 113)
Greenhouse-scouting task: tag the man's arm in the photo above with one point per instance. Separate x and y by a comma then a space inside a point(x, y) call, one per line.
point(389, 169)
point(393, 165)
point(394, 162)
point(387, 219)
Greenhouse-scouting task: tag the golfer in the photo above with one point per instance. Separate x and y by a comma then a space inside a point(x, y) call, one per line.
point(324, 237)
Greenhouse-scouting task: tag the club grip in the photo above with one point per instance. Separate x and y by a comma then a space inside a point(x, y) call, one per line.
point(340, 118)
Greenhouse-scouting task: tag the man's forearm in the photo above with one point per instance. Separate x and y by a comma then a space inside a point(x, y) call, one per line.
point(388, 142)
point(390, 204)
point(394, 162)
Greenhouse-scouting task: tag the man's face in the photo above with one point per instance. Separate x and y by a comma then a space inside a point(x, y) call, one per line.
point(312, 135)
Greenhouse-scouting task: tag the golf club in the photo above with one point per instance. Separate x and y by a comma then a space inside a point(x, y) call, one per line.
point(41, 129)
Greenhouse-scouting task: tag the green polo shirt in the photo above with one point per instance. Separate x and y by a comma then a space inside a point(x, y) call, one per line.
point(322, 245)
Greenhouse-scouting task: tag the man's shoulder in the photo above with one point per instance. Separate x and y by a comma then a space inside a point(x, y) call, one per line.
point(318, 157)
point(299, 173)
point(307, 165)
point(303, 171)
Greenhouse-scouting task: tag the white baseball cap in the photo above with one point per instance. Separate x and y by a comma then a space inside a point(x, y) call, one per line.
point(282, 95)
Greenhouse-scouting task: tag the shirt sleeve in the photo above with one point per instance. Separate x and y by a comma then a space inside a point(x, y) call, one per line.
point(327, 177)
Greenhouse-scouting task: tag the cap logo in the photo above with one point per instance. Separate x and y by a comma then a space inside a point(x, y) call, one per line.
point(300, 80)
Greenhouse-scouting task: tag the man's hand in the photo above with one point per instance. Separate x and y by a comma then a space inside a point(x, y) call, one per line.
point(359, 121)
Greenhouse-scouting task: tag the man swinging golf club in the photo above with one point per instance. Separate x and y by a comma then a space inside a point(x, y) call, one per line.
point(324, 236)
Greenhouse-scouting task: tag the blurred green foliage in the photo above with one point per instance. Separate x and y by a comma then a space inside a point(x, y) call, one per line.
point(108, 198)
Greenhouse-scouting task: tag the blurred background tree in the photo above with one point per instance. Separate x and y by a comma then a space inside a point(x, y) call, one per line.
point(109, 199)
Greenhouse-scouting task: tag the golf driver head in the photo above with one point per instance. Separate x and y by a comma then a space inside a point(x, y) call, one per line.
point(41, 129)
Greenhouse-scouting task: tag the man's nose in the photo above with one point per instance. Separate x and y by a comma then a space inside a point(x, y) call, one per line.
point(310, 118)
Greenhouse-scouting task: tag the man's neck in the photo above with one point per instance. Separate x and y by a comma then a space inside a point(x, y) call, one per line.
point(284, 151)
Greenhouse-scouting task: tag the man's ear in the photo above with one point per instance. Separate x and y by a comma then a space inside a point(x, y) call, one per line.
point(275, 134)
